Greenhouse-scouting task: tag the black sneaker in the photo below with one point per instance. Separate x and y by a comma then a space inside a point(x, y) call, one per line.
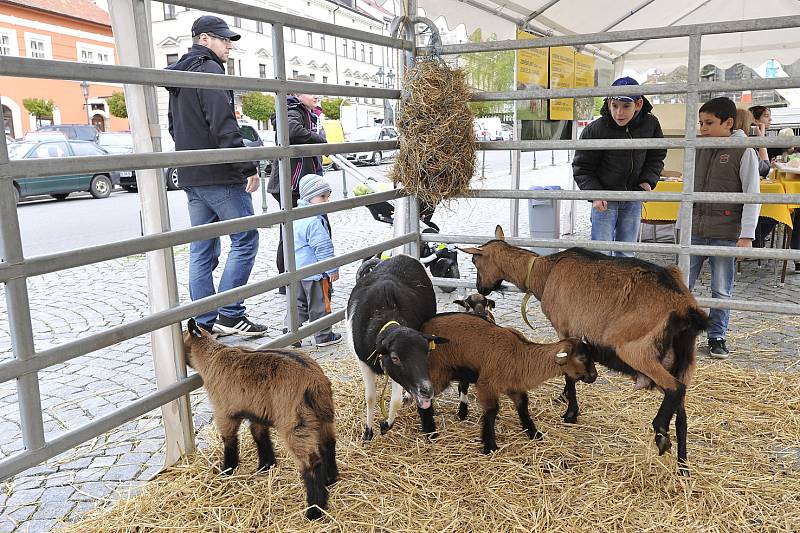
point(240, 325)
point(332, 338)
point(717, 349)
point(297, 344)
point(797, 267)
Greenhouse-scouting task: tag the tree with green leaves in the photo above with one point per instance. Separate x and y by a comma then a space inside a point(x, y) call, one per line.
point(330, 106)
point(116, 105)
point(258, 106)
point(489, 71)
point(39, 108)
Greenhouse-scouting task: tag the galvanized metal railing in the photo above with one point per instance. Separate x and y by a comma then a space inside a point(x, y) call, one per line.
point(16, 268)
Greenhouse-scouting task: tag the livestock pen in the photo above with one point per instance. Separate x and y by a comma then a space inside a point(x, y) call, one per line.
point(580, 483)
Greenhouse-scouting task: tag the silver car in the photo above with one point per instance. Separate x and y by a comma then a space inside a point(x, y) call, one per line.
point(372, 133)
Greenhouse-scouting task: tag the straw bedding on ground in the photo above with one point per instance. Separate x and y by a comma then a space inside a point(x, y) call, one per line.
point(603, 474)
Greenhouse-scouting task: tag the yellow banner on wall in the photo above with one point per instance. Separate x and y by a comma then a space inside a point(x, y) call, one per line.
point(532, 73)
point(584, 70)
point(562, 76)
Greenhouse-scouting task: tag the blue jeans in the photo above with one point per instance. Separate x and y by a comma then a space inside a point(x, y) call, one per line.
point(620, 222)
point(723, 270)
point(215, 203)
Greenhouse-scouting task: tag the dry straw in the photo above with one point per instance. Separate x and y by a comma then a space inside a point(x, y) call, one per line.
point(437, 143)
point(600, 475)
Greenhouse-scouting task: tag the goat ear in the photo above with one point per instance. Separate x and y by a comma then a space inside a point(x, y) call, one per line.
point(462, 303)
point(193, 328)
point(436, 339)
point(471, 250)
point(490, 303)
point(498, 233)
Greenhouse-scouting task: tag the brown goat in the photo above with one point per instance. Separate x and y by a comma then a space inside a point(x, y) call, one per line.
point(478, 304)
point(284, 389)
point(640, 316)
point(499, 361)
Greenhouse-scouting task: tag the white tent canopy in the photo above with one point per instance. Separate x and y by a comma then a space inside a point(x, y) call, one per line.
point(566, 17)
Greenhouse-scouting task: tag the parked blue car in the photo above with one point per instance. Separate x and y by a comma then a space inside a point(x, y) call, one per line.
point(99, 184)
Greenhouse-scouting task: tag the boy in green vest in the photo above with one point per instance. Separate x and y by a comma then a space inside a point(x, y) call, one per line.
point(722, 224)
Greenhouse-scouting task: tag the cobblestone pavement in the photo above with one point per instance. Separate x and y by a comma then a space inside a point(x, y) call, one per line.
point(78, 302)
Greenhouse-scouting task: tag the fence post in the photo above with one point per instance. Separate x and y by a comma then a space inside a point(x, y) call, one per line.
point(282, 127)
point(407, 208)
point(690, 126)
point(19, 310)
point(135, 48)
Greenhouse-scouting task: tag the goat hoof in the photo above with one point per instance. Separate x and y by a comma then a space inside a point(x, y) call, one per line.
point(462, 411)
point(313, 513)
point(368, 434)
point(385, 427)
point(535, 435)
point(432, 435)
point(683, 469)
point(570, 417)
point(263, 469)
point(663, 443)
point(487, 449)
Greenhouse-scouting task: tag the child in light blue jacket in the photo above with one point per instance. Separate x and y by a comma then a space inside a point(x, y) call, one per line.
point(312, 244)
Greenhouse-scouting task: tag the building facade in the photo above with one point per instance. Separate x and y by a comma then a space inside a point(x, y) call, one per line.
point(324, 58)
point(64, 30)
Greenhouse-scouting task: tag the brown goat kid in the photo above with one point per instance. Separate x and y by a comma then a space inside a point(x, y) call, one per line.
point(281, 389)
point(640, 316)
point(478, 304)
point(499, 361)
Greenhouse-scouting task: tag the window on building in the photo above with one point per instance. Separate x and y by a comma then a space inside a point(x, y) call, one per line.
point(37, 48)
point(237, 22)
point(371, 56)
point(172, 59)
point(324, 79)
point(262, 70)
point(259, 26)
point(363, 54)
point(94, 54)
point(295, 73)
point(311, 39)
point(231, 67)
point(354, 50)
point(347, 83)
point(344, 48)
point(169, 12)
point(6, 44)
point(292, 35)
point(313, 77)
point(322, 42)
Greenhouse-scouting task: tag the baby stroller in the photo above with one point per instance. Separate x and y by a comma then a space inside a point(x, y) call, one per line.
point(441, 259)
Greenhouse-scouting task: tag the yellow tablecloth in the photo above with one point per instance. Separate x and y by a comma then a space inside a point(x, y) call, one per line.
point(668, 211)
point(791, 183)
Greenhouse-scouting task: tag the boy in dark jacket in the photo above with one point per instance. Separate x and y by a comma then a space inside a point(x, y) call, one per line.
point(622, 117)
point(304, 128)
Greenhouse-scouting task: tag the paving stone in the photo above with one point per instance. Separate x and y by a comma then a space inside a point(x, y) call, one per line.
point(122, 473)
point(91, 491)
point(24, 497)
point(103, 461)
point(53, 509)
point(40, 526)
point(55, 494)
point(19, 513)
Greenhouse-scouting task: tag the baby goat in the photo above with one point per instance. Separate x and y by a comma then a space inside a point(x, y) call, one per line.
point(284, 389)
point(478, 304)
point(499, 361)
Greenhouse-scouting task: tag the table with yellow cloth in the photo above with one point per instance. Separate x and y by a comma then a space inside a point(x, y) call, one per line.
point(668, 211)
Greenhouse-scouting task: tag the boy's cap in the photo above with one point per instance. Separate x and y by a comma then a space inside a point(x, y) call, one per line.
point(627, 80)
point(312, 185)
point(215, 25)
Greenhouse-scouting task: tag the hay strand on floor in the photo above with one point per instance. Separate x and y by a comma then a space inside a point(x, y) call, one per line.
point(603, 474)
point(436, 160)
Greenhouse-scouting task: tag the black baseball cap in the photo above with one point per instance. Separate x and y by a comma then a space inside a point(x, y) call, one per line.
point(215, 25)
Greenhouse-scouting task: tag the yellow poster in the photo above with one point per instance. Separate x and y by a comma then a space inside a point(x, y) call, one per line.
point(584, 70)
point(532, 70)
point(562, 76)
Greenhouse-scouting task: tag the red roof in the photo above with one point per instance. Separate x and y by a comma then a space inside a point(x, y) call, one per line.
point(77, 9)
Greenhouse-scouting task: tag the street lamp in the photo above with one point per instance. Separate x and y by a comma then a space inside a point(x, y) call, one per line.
point(85, 92)
point(386, 81)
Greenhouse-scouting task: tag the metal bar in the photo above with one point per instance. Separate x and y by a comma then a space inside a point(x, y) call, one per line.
point(734, 26)
point(738, 305)
point(411, 204)
point(689, 153)
point(304, 331)
point(70, 350)
point(285, 173)
point(44, 264)
point(226, 7)
point(672, 22)
point(34, 168)
point(3, 149)
point(22, 461)
point(541, 10)
point(70, 70)
point(624, 144)
point(721, 251)
point(661, 88)
point(628, 15)
point(699, 197)
point(19, 321)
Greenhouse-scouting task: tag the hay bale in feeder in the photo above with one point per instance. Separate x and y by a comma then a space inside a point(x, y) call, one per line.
point(437, 143)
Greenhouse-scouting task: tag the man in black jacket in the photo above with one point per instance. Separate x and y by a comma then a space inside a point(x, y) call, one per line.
point(201, 119)
point(304, 128)
point(622, 117)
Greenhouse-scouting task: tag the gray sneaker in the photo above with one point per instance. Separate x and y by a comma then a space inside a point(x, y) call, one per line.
point(717, 348)
point(333, 338)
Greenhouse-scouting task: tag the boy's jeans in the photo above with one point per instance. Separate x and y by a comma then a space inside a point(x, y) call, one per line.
point(215, 203)
point(723, 270)
point(620, 222)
